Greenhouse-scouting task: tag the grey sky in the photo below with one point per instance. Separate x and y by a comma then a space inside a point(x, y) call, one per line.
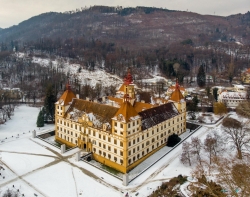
point(13, 12)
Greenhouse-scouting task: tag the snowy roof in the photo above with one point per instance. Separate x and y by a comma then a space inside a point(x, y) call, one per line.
point(156, 115)
point(127, 111)
point(233, 95)
point(239, 86)
point(98, 113)
point(66, 98)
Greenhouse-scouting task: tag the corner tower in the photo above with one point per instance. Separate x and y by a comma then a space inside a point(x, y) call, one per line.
point(62, 105)
point(129, 88)
point(178, 99)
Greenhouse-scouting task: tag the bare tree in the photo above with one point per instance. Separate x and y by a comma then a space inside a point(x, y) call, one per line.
point(10, 193)
point(243, 109)
point(231, 177)
point(234, 176)
point(98, 90)
point(213, 145)
point(186, 155)
point(196, 148)
point(238, 134)
point(209, 144)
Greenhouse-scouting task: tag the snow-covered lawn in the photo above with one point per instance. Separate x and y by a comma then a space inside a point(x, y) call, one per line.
point(24, 146)
point(23, 187)
point(64, 180)
point(23, 121)
point(207, 118)
point(23, 163)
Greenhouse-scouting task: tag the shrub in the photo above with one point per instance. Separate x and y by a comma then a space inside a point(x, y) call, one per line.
point(173, 140)
point(220, 108)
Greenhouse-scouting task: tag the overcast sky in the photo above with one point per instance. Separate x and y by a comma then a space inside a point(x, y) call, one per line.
point(13, 12)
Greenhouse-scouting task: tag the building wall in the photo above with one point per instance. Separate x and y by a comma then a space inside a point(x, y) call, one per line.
point(125, 145)
point(232, 102)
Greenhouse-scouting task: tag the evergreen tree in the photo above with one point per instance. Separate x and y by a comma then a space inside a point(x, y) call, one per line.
point(208, 90)
point(201, 77)
point(173, 140)
point(49, 103)
point(40, 119)
point(192, 107)
point(215, 93)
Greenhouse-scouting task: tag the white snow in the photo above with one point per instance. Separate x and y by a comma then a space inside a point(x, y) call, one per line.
point(85, 76)
point(24, 120)
point(26, 163)
point(44, 171)
point(68, 181)
point(207, 118)
point(23, 188)
point(24, 146)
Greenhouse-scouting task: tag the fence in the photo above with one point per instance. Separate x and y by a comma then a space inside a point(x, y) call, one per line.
point(190, 121)
point(120, 178)
point(48, 142)
point(51, 132)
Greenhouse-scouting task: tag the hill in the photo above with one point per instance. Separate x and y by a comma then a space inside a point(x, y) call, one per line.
point(140, 27)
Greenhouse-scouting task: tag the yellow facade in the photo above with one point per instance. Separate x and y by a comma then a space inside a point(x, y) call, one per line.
point(246, 76)
point(122, 139)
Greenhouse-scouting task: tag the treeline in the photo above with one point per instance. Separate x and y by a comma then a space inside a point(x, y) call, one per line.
point(147, 28)
point(219, 59)
point(225, 60)
point(146, 10)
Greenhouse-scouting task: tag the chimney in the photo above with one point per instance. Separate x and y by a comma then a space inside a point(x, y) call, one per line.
point(87, 98)
point(77, 96)
point(142, 101)
point(103, 99)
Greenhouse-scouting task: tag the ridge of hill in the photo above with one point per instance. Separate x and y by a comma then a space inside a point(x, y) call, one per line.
point(139, 27)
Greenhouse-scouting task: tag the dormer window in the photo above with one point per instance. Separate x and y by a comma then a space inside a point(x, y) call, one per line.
point(120, 117)
point(104, 126)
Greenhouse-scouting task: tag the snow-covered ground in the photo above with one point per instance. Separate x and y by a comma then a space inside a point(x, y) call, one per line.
point(22, 123)
point(34, 168)
point(207, 118)
point(37, 167)
point(93, 77)
point(85, 76)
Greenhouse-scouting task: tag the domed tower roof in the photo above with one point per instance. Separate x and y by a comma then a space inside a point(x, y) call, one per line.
point(127, 111)
point(128, 79)
point(176, 96)
point(67, 96)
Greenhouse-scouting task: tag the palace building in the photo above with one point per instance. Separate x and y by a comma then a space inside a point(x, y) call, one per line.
point(119, 131)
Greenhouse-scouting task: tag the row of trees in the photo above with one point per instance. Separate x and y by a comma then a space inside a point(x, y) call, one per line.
point(226, 177)
point(213, 162)
point(236, 134)
point(91, 54)
point(192, 151)
point(6, 111)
